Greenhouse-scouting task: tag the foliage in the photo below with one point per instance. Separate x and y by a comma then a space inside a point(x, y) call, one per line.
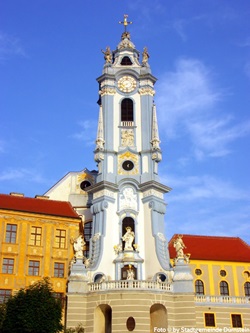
point(79, 329)
point(2, 315)
point(33, 310)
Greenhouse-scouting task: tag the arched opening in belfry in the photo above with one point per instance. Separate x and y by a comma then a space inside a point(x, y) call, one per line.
point(158, 317)
point(103, 319)
point(126, 61)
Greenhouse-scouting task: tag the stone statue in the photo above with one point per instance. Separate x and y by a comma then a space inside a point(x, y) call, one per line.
point(130, 273)
point(128, 238)
point(78, 244)
point(179, 247)
point(107, 55)
point(145, 56)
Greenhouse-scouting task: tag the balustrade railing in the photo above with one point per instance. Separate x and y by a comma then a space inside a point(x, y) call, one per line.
point(127, 123)
point(222, 299)
point(130, 285)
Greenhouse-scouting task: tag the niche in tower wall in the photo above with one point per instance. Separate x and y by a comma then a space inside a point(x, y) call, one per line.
point(126, 223)
point(129, 272)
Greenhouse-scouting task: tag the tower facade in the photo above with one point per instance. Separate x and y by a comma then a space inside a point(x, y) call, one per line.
point(128, 199)
point(126, 280)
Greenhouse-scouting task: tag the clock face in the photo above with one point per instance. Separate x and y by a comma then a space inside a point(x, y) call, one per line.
point(128, 165)
point(127, 83)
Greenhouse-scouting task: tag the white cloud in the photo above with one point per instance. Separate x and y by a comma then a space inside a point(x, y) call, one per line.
point(87, 133)
point(10, 46)
point(29, 175)
point(193, 188)
point(188, 102)
point(213, 136)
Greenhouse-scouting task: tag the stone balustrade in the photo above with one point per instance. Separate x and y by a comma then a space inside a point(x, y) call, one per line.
point(222, 299)
point(130, 285)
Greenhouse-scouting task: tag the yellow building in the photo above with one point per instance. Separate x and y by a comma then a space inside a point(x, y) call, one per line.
point(221, 271)
point(35, 237)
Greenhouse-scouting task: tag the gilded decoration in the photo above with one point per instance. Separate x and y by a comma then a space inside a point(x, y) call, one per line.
point(147, 91)
point(107, 55)
point(126, 83)
point(128, 156)
point(107, 91)
point(85, 176)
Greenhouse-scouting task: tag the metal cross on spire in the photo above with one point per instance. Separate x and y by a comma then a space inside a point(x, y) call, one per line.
point(125, 22)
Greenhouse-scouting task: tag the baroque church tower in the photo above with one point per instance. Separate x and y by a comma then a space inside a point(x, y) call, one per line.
point(125, 281)
point(128, 201)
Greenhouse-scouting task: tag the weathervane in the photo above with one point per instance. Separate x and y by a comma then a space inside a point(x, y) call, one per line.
point(125, 22)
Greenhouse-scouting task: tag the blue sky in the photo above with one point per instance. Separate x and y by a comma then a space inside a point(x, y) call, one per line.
point(50, 57)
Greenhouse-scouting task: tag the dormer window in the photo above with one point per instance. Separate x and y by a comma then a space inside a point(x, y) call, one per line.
point(126, 61)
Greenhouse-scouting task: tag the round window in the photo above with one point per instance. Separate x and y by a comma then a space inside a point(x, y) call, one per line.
point(198, 271)
point(223, 272)
point(84, 184)
point(128, 165)
point(130, 324)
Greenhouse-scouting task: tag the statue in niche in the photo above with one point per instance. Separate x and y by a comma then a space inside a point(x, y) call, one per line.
point(78, 244)
point(130, 273)
point(107, 55)
point(128, 199)
point(179, 247)
point(145, 56)
point(128, 238)
point(127, 138)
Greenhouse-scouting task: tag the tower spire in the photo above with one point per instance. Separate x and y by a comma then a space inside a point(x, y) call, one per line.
point(99, 138)
point(155, 133)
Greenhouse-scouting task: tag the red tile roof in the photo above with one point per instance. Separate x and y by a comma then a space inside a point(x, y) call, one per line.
point(213, 248)
point(37, 206)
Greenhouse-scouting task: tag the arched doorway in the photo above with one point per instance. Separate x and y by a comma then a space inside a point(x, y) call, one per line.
point(158, 317)
point(103, 319)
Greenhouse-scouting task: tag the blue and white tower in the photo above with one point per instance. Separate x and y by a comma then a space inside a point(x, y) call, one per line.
point(126, 280)
point(127, 196)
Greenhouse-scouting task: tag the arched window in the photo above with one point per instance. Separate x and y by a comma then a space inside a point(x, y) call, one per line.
point(158, 317)
point(126, 61)
point(199, 287)
point(127, 110)
point(87, 231)
point(247, 288)
point(103, 319)
point(224, 291)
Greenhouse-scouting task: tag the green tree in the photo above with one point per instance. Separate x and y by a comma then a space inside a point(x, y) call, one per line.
point(2, 315)
point(33, 310)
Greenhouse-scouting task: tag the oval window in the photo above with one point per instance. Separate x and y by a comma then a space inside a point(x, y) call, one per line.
point(130, 324)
